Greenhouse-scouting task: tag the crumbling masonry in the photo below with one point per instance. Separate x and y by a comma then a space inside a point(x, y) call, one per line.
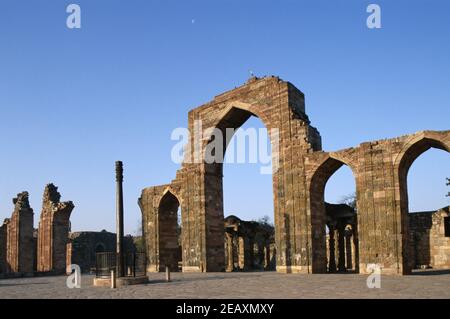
point(21, 253)
point(20, 244)
point(380, 169)
point(54, 226)
point(249, 245)
point(430, 239)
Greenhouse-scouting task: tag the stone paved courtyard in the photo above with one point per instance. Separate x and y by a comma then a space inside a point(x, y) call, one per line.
point(239, 285)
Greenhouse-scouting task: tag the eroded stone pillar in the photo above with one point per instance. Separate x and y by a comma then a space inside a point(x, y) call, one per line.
point(241, 253)
point(229, 251)
point(267, 256)
point(332, 261)
point(20, 245)
point(341, 245)
point(53, 232)
point(250, 253)
point(69, 252)
point(3, 240)
point(348, 248)
point(120, 265)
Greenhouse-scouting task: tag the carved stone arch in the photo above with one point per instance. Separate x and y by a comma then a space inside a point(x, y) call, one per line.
point(420, 143)
point(331, 162)
point(253, 109)
point(174, 192)
point(415, 146)
point(167, 228)
point(318, 177)
point(234, 115)
point(278, 104)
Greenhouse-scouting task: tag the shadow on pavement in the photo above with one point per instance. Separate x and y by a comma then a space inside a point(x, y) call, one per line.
point(431, 272)
point(23, 284)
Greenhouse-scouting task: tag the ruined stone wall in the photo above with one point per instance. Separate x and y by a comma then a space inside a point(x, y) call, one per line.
point(3, 240)
point(159, 226)
point(380, 169)
point(53, 232)
point(82, 247)
point(20, 246)
point(429, 244)
point(419, 235)
point(249, 245)
point(279, 105)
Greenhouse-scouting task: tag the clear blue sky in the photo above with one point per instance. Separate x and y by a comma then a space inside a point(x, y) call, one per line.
point(74, 101)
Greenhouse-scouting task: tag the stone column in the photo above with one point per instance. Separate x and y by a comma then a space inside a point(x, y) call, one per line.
point(332, 262)
point(3, 238)
point(341, 244)
point(251, 253)
point(267, 255)
point(20, 245)
point(230, 255)
point(248, 248)
point(260, 255)
point(69, 250)
point(119, 220)
point(355, 256)
point(53, 232)
point(235, 251)
point(348, 248)
point(241, 253)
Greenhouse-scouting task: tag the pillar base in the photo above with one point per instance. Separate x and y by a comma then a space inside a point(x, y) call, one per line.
point(191, 269)
point(294, 269)
point(120, 282)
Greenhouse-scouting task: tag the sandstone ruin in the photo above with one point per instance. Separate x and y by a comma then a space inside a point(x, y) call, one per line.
point(54, 226)
point(23, 250)
point(3, 245)
point(83, 246)
point(19, 237)
point(249, 245)
point(380, 168)
point(430, 239)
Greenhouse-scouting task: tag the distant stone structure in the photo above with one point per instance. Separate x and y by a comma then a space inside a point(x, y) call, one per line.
point(3, 245)
point(342, 242)
point(430, 239)
point(249, 245)
point(82, 247)
point(50, 248)
point(25, 250)
point(20, 251)
point(380, 169)
point(53, 231)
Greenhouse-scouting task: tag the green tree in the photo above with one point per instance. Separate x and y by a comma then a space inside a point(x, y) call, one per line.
point(139, 241)
point(349, 200)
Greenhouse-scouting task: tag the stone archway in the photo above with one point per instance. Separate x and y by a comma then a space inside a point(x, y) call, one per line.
point(379, 168)
point(412, 149)
point(278, 104)
point(317, 211)
point(168, 248)
point(228, 122)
